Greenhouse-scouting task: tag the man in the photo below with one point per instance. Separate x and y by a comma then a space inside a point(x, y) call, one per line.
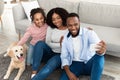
point(77, 56)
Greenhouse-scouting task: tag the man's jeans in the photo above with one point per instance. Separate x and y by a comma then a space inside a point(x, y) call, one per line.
point(43, 52)
point(93, 67)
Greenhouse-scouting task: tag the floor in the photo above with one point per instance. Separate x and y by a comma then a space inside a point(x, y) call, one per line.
point(112, 64)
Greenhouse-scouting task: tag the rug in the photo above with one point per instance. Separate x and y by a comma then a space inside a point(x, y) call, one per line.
point(4, 62)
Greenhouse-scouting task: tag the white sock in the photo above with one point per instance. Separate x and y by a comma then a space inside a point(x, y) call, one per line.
point(32, 75)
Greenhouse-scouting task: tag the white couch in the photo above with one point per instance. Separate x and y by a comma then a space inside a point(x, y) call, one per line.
point(103, 18)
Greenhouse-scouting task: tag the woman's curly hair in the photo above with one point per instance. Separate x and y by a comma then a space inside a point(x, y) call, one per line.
point(61, 12)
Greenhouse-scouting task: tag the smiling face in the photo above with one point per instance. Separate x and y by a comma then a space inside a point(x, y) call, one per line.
point(57, 20)
point(38, 19)
point(73, 24)
point(17, 53)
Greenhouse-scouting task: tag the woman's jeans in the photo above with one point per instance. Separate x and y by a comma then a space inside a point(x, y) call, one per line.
point(93, 67)
point(42, 52)
point(29, 57)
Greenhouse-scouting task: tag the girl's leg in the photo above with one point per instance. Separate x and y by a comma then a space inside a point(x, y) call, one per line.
point(30, 55)
point(40, 49)
point(51, 65)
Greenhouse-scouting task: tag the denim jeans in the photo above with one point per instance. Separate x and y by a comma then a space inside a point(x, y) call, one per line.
point(93, 67)
point(29, 57)
point(42, 52)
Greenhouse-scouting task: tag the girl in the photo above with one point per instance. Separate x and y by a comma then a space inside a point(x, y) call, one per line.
point(37, 31)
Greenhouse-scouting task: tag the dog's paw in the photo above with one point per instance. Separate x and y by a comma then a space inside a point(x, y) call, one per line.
point(16, 78)
point(5, 55)
point(5, 77)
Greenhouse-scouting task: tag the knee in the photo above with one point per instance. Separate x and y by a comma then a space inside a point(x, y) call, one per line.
point(55, 61)
point(39, 43)
point(99, 60)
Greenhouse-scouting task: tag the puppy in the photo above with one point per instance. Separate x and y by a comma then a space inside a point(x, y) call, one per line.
point(18, 56)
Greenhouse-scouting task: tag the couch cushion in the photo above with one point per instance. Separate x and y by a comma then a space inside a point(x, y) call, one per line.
point(28, 6)
point(100, 13)
point(49, 4)
point(18, 12)
point(109, 34)
point(22, 25)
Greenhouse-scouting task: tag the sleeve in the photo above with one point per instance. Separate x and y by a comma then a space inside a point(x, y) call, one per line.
point(25, 37)
point(53, 45)
point(94, 39)
point(65, 55)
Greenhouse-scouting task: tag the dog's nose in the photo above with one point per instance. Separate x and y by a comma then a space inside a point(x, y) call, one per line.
point(21, 54)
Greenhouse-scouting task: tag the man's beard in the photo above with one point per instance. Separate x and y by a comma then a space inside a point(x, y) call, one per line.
point(76, 34)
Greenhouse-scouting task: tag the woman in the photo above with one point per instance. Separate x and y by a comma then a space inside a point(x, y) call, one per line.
point(50, 51)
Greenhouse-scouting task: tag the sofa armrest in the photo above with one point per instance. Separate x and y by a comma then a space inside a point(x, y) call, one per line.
point(18, 12)
point(18, 15)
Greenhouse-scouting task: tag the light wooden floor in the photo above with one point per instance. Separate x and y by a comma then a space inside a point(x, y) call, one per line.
point(112, 66)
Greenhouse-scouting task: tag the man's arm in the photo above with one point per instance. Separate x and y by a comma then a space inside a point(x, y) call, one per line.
point(94, 39)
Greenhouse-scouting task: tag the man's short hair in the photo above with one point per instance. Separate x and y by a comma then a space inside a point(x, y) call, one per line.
point(73, 15)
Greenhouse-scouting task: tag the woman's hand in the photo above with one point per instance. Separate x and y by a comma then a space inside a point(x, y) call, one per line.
point(61, 39)
point(89, 28)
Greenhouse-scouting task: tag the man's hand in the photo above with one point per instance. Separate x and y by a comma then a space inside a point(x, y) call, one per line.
point(72, 76)
point(102, 47)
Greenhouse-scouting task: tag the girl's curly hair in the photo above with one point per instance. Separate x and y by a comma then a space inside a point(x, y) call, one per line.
point(37, 10)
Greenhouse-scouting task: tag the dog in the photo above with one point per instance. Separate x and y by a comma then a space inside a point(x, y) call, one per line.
point(18, 56)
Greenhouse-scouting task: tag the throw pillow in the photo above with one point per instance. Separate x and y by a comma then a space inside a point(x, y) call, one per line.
point(28, 6)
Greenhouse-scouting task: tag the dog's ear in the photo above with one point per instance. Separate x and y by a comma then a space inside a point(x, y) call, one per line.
point(10, 53)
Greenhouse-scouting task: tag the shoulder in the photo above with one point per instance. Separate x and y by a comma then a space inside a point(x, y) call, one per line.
point(49, 28)
point(88, 33)
point(45, 25)
point(31, 28)
point(67, 35)
point(86, 30)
